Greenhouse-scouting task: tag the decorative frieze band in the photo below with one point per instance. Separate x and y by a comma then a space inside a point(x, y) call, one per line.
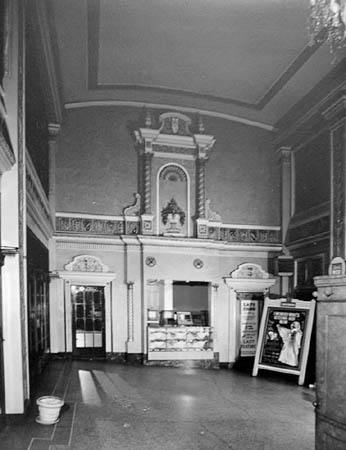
point(247, 235)
point(218, 232)
point(90, 226)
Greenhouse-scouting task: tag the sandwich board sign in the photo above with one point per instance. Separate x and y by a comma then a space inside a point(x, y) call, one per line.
point(284, 337)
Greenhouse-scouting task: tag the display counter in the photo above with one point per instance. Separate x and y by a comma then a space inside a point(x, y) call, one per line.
point(180, 342)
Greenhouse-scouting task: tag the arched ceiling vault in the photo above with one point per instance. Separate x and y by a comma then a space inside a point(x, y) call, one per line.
point(244, 60)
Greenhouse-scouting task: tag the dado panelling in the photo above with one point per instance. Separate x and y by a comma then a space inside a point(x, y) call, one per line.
point(97, 166)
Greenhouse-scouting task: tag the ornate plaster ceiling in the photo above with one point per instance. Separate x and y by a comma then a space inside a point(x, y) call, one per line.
point(245, 59)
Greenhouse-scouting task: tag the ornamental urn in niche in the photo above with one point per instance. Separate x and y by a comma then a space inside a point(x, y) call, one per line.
point(173, 216)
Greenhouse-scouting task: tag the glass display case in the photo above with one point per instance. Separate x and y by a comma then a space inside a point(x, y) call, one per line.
point(180, 342)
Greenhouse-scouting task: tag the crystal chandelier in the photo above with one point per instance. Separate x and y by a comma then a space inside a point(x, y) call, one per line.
point(328, 21)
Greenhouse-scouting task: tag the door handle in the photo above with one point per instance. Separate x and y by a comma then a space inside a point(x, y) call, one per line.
point(315, 404)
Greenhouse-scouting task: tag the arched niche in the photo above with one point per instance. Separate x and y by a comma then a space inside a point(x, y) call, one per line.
point(173, 200)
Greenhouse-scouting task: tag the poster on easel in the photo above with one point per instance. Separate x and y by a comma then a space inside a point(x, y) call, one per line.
point(284, 337)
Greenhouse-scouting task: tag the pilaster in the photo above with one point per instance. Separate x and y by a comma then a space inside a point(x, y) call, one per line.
point(286, 188)
point(15, 375)
point(336, 117)
point(54, 130)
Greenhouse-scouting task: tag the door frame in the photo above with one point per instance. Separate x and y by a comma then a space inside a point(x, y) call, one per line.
point(81, 352)
point(86, 278)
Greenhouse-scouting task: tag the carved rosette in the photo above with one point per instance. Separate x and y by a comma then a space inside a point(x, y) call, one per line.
point(147, 224)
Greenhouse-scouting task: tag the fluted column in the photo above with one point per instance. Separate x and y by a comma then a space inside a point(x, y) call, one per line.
point(130, 317)
point(213, 302)
point(54, 130)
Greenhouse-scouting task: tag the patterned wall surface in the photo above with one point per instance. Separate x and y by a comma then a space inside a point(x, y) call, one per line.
point(99, 227)
point(90, 226)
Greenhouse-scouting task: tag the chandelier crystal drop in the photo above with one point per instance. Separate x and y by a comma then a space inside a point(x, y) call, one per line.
point(328, 21)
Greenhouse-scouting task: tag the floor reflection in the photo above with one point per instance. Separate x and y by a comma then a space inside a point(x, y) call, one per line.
point(89, 392)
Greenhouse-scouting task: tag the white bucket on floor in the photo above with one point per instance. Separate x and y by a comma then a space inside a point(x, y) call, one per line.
point(49, 409)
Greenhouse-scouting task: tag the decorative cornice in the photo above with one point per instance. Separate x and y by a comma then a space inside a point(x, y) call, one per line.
point(171, 107)
point(38, 209)
point(180, 242)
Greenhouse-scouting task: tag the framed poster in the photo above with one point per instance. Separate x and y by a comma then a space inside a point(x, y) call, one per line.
point(284, 336)
point(248, 327)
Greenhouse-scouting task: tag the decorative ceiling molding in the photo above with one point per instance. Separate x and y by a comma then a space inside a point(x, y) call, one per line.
point(202, 112)
point(294, 122)
point(94, 15)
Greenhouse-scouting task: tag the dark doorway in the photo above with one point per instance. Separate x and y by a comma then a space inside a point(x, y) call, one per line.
point(192, 296)
point(88, 321)
point(38, 308)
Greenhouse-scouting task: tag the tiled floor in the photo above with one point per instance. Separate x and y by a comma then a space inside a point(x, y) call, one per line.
point(111, 407)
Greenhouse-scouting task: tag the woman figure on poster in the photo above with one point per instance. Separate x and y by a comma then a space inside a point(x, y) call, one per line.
point(292, 338)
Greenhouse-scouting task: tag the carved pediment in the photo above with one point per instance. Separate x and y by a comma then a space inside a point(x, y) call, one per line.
point(175, 123)
point(249, 270)
point(86, 263)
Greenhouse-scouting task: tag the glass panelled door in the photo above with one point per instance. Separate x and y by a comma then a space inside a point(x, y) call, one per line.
point(88, 320)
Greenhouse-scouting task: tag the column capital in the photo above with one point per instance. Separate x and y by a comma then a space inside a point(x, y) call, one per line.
point(285, 153)
point(53, 130)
